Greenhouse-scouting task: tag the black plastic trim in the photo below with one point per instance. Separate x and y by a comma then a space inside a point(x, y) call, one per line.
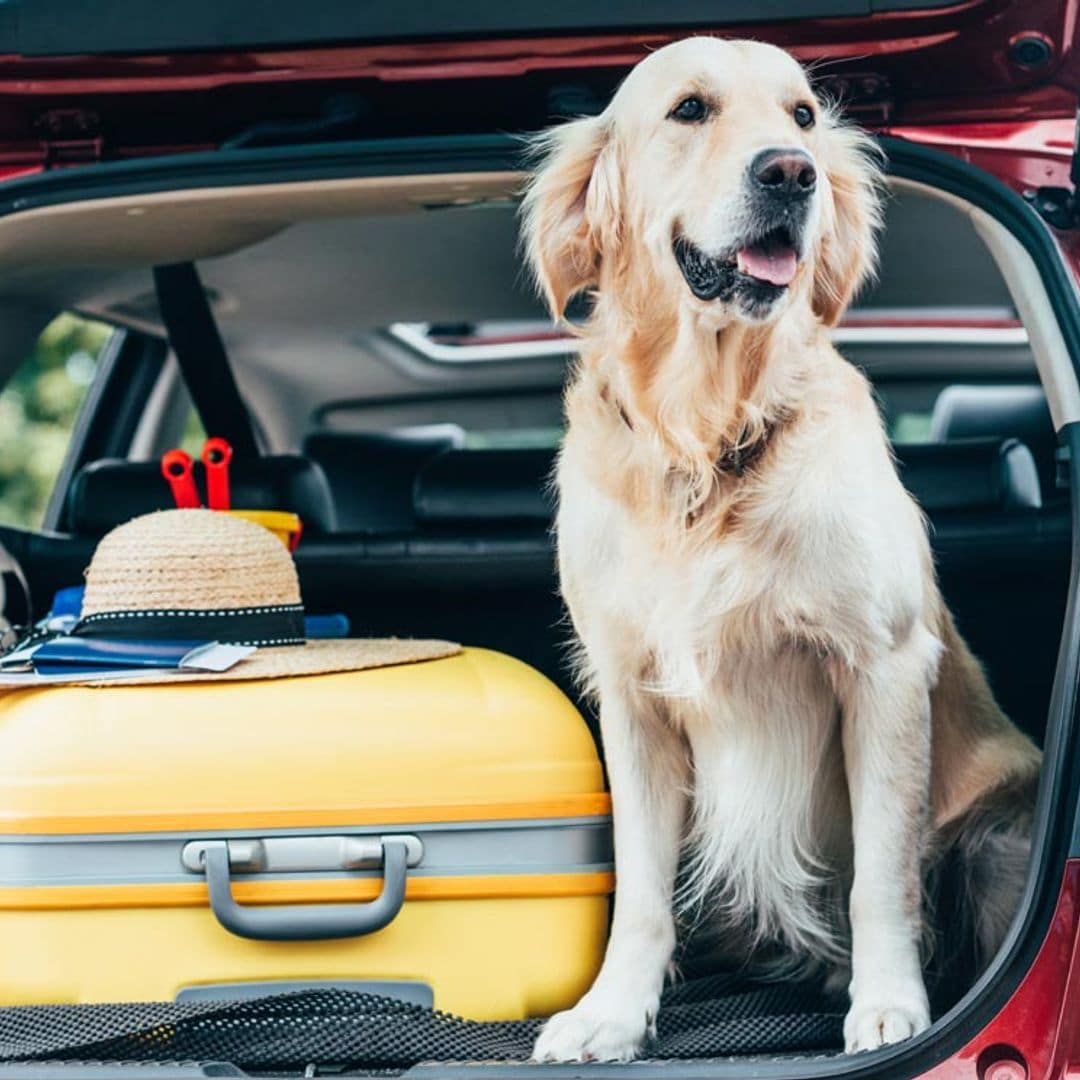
point(58, 27)
point(1058, 792)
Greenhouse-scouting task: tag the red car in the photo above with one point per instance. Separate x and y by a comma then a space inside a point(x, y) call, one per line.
point(372, 332)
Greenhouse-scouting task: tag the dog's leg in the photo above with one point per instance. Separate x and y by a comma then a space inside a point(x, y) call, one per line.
point(886, 728)
point(648, 774)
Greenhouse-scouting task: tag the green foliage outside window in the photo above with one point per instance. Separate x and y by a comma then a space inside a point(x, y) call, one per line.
point(38, 407)
point(194, 435)
point(911, 427)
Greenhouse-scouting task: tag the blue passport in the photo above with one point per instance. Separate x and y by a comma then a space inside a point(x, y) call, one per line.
point(79, 656)
point(74, 655)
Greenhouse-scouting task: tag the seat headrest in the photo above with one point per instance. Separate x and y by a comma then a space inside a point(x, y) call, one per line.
point(107, 493)
point(473, 486)
point(346, 445)
point(371, 474)
point(979, 412)
point(970, 474)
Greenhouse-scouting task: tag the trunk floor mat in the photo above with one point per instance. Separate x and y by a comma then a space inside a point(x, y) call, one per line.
point(718, 1016)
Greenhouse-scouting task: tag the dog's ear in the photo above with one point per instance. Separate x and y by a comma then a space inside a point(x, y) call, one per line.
point(847, 258)
point(570, 215)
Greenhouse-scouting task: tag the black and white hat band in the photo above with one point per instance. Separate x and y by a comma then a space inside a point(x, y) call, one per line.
point(278, 624)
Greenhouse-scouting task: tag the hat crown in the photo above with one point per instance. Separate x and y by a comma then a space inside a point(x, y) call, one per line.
point(189, 560)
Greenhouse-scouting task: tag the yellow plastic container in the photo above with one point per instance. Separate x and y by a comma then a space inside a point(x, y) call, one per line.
point(471, 777)
point(286, 526)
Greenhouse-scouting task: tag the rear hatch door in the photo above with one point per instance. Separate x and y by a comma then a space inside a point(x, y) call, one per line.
point(86, 82)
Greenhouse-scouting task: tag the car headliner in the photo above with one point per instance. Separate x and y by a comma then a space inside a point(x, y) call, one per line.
point(305, 277)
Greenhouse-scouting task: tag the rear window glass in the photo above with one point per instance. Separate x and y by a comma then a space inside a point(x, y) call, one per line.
point(193, 436)
point(465, 343)
point(911, 427)
point(527, 339)
point(38, 408)
point(546, 438)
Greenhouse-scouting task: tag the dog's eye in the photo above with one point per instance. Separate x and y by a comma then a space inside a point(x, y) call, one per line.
point(804, 116)
point(691, 110)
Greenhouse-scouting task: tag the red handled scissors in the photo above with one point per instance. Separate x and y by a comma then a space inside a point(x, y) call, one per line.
point(179, 470)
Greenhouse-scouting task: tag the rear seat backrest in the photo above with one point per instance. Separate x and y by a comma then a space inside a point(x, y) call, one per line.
point(482, 486)
point(970, 475)
point(111, 491)
point(473, 487)
point(479, 564)
point(1002, 412)
point(371, 474)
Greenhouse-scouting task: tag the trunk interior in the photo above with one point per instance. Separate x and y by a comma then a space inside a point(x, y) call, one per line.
point(382, 333)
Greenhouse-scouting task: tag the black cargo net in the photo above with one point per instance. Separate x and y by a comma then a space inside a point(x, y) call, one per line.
point(704, 1018)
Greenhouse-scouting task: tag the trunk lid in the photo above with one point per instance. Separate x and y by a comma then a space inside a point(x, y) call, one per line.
point(82, 83)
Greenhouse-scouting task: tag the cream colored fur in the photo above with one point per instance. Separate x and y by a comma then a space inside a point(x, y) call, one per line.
point(786, 707)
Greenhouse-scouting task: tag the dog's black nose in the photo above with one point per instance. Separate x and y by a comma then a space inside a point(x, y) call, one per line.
point(784, 172)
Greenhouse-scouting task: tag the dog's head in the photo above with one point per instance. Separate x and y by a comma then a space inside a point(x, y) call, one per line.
point(714, 180)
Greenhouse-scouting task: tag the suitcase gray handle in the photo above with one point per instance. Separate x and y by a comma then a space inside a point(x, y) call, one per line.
point(305, 922)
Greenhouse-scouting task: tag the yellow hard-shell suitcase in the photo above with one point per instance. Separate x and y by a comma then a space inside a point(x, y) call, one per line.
point(435, 825)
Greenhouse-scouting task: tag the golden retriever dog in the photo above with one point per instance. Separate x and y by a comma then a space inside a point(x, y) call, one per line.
point(793, 728)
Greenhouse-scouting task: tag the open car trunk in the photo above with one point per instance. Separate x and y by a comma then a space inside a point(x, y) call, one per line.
point(65, 229)
point(197, 136)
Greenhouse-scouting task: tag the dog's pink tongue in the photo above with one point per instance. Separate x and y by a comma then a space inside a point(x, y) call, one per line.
point(777, 267)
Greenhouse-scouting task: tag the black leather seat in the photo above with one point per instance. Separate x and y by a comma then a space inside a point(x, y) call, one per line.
point(371, 474)
point(991, 474)
point(470, 488)
point(479, 566)
point(1017, 411)
point(108, 492)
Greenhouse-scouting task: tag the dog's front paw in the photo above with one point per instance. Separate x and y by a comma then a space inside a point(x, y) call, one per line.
point(591, 1032)
point(866, 1027)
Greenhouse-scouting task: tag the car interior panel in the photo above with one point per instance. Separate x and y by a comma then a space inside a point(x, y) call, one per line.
point(389, 376)
point(424, 480)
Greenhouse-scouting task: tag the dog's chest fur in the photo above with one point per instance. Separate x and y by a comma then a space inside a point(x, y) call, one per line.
point(732, 622)
point(722, 641)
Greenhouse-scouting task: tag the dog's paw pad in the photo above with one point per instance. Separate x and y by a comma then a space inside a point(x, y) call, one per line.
point(583, 1035)
point(871, 1027)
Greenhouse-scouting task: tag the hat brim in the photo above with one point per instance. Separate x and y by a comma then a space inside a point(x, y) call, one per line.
point(322, 657)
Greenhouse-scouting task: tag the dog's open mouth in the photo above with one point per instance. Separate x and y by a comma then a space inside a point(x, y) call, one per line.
point(771, 261)
point(773, 258)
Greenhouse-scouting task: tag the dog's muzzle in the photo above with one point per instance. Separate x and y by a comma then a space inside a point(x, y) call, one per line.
point(780, 188)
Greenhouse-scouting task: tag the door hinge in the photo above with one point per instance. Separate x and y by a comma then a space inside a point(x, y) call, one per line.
point(1060, 206)
point(1057, 206)
point(866, 96)
point(70, 137)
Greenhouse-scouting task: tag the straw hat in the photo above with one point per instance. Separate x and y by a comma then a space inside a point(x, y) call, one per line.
point(202, 575)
